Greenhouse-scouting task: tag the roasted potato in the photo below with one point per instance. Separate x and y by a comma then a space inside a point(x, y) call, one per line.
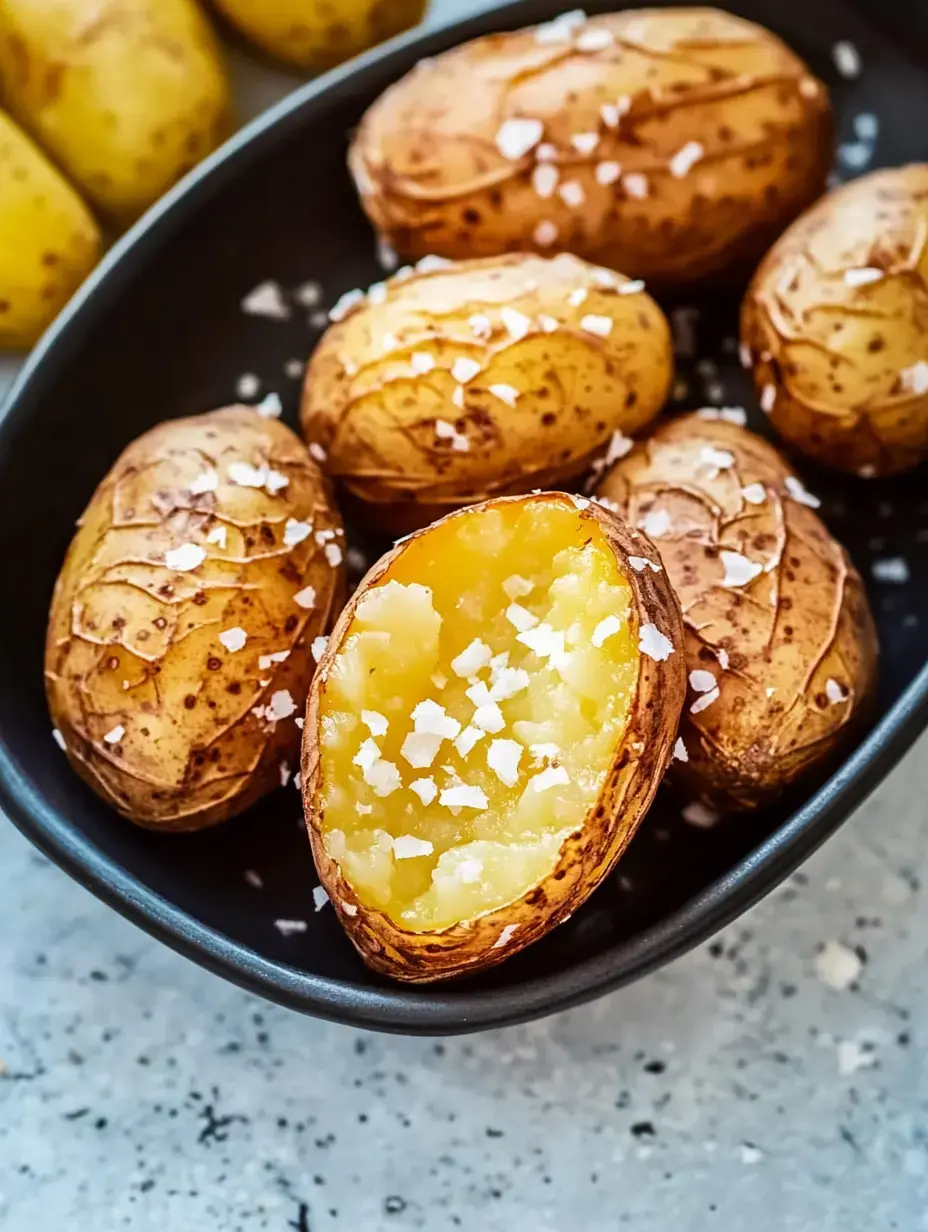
point(126, 95)
point(488, 725)
point(48, 240)
point(461, 382)
point(670, 144)
point(836, 328)
point(780, 644)
point(179, 646)
point(316, 36)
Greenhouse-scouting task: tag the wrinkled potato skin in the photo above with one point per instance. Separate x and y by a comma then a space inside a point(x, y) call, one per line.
point(306, 35)
point(48, 240)
point(126, 95)
point(791, 629)
point(433, 181)
point(118, 613)
point(375, 418)
point(835, 353)
point(586, 858)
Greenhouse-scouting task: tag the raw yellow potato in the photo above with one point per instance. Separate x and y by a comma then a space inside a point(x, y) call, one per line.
point(670, 144)
point(126, 95)
point(835, 324)
point(179, 647)
point(316, 34)
point(463, 381)
point(780, 644)
point(488, 725)
point(48, 240)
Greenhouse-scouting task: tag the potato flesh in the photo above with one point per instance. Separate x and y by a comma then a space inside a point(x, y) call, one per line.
point(448, 589)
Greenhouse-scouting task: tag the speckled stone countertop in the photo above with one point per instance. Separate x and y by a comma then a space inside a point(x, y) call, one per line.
point(737, 1088)
point(774, 1080)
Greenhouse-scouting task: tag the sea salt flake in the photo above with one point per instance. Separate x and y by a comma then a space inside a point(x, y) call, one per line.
point(619, 446)
point(716, 460)
point(377, 293)
point(704, 701)
point(470, 736)
point(609, 115)
point(521, 617)
point(548, 324)
point(835, 692)
point(656, 523)
point(505, 937)
point(218, 536)
point(344, 304)
point(516, 136)
point(408, 847)
point(472, 659)
point(295, 532)
point(915, 378)
point(233, 639)
point(333, 554)
point(862, 277)
point(653, 643)
point(799, 493)
point(431, 718)
point(700, 815)
point(685, 159)
point(854, 1056)
point(206, 481)
point(320, 898)
point(636, 185)
point(376, 723)
point(750, 1154)
point(561, 29)
point(855, 155)
point(254, 879)
point(545, 179)
point(275, 481)
point(640, 563)
point(464, 797)
point(768, 398)
point(847, 58)
point(420, 748)
point(58, 738)
point(285, 773)
point(837, 966)
point(266, 300)
point(702, 681)
point(890, 569)
point(464, 369)
point(510, 680)
point(244, 475)
point(632, 287)
point(553, 776)
point(489, 718)
point(481, 326)
point(754, 493)
point(599, 325)
point(270, 406)
point(739, 571)
point(506, 393)
point(543, 640)
point(247, 385)
point(308, 294)
point(115, 734)
point(608, 626)
point(317, 452)
point(545, 233)
point(517, 587)
point(593, 39)
point(432, 263)
point(422, 362)
point(503, 757)
point(516, 323)
point(289, 928)
point(188, 556)
point(281, 705)
point(544, 752)
point(425, 789)
point(383, 778)
point(679, 751)
point(584, 143)
point(318, 647)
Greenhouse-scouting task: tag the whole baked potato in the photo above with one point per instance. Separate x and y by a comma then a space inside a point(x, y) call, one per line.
point(488, 725)
point(316, 36)
point(780, 644)
point(835, 325)
point(462, 381)
point(126, 95)
point(48, 240)
point(670, 144)
point(179, 647)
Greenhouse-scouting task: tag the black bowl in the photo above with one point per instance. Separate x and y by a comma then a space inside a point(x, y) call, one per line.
point(158, 332)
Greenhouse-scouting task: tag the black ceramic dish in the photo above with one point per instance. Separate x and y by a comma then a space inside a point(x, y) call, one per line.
point(158, 332)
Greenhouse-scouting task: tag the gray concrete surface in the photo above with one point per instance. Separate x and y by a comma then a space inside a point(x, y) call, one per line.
point(737, 1089)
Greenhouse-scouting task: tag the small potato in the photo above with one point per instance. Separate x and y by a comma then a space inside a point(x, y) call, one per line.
point(48, 240)
point(126, 95)
point(179, 647)
point(835, 324)
point(460, 382)
point(780, 644)
point(316, 36)
point(487, 728)
point(670, 144)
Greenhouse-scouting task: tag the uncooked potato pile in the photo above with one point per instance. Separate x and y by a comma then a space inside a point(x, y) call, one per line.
point(497, 704)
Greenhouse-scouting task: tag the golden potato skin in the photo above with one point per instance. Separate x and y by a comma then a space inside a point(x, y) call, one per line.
point(126, 95)
point(433, 180)
point(134, 644)
point(793, 629)
point(48, 240)
point(587, 857)
point(317, 36)
point(847, 364)
point(374, 415)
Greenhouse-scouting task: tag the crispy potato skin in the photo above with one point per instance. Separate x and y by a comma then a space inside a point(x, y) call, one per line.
point(792, 629)
point(375, 415)
point(433, 180)
point(317, 36)
point(48, 240)
point(586, 858)
point(836, 354)
point(126, 95)
point(193, 753)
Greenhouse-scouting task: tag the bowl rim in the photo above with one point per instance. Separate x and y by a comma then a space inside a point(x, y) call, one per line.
point(437, 1009)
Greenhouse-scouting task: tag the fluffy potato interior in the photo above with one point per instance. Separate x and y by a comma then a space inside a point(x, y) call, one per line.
point(473, 711)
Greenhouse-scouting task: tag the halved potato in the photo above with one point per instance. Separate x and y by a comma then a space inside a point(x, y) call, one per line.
point(465, 380)
point(488, 725)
